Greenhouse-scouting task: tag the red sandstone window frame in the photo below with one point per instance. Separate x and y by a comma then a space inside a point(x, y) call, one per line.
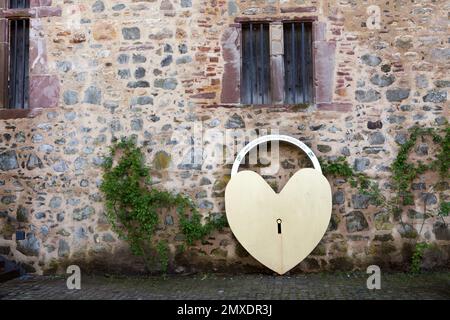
point(273, 86)
point(6, 15)
point(323, 59)
point(238, 22)
point(39, 78)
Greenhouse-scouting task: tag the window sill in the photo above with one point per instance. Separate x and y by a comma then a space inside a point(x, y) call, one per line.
point(18, 13)
point(281, 19)
point(275, 107)
point(302, 107)
point(11, 114)
point(30, 13)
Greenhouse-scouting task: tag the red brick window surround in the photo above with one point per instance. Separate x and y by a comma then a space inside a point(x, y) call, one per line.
point(40, 88)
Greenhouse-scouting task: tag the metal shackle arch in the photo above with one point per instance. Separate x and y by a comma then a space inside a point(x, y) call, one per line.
point(275, 137)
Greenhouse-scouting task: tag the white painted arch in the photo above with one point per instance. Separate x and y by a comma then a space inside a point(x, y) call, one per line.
point(275, 137)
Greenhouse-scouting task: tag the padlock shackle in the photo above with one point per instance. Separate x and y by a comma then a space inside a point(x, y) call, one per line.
point(274, 137)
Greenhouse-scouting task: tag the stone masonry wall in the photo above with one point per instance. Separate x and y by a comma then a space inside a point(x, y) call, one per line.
point(161, 69)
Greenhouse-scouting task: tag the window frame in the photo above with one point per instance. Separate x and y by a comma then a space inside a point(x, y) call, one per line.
point(280, 21)
point(6, 16)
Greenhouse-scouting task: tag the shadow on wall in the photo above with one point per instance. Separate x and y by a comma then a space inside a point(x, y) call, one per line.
point(195, 260)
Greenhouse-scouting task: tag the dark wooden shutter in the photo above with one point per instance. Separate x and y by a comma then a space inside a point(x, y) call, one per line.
point(298, 62)
point(255, 81)
point(4, 55)
point(19, 31)
point(19, 4)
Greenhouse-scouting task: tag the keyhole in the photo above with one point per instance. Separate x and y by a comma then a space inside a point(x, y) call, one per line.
point(279, 226)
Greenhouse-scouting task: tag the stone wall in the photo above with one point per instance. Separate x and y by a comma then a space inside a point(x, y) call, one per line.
point(161, 69)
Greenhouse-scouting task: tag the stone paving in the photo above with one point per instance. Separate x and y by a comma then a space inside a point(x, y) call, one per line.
point(194, 287)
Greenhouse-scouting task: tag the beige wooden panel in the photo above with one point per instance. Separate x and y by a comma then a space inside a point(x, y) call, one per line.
point(253, 208)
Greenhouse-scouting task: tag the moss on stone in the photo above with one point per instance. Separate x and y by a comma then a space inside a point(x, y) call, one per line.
point(161, 160)
point(410, 235)
point(323, 148)
point(383, 237)
point(341, 264)
point(339, 246)
point(22, 214)
point(220, 194)
point(310, 264)
point(219, 253)
point(221, 183)
point(382, 222)
point(240, 251)
point(274, 185)
point(52, 267)
point(407, 231)
point(7, 231)
point(300, 107)
point(387, 248)
point(319, 250)
point(334, 222)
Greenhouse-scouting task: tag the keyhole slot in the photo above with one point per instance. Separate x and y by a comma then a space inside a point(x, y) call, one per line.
point(279, 225)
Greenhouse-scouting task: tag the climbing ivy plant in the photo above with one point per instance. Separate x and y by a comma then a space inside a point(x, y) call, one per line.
point(133, 204)
point(341, 168)
point(416, 259)
point(404, 172)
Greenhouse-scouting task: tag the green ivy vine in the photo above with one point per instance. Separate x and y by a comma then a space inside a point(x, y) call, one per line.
point(444, 208)
point(404, 172)
point(341, 168)
point(416, 259)
point(133, 205)
point(162, 249)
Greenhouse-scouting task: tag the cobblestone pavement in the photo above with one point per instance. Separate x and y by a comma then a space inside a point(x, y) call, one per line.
point(311, 286)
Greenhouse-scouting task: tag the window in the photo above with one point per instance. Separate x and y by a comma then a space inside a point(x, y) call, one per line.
point(255, 81)
point(298, 73)
point(297, 63)
point(15, 56)
point(19, 4)
point(18, 92)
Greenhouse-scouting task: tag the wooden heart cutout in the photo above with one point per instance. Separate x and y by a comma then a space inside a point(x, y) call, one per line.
point(279, 230)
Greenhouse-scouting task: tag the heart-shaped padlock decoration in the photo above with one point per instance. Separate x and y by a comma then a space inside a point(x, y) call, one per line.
point(278, 230)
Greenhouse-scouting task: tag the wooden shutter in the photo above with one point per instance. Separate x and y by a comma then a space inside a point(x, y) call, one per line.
point(298, 62)
point(19, 35)
point(4, 53)
point(19, 4)
point(14, 55)
point(255, 81)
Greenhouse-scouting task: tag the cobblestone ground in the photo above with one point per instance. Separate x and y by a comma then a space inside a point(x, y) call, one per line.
point(311, 286)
